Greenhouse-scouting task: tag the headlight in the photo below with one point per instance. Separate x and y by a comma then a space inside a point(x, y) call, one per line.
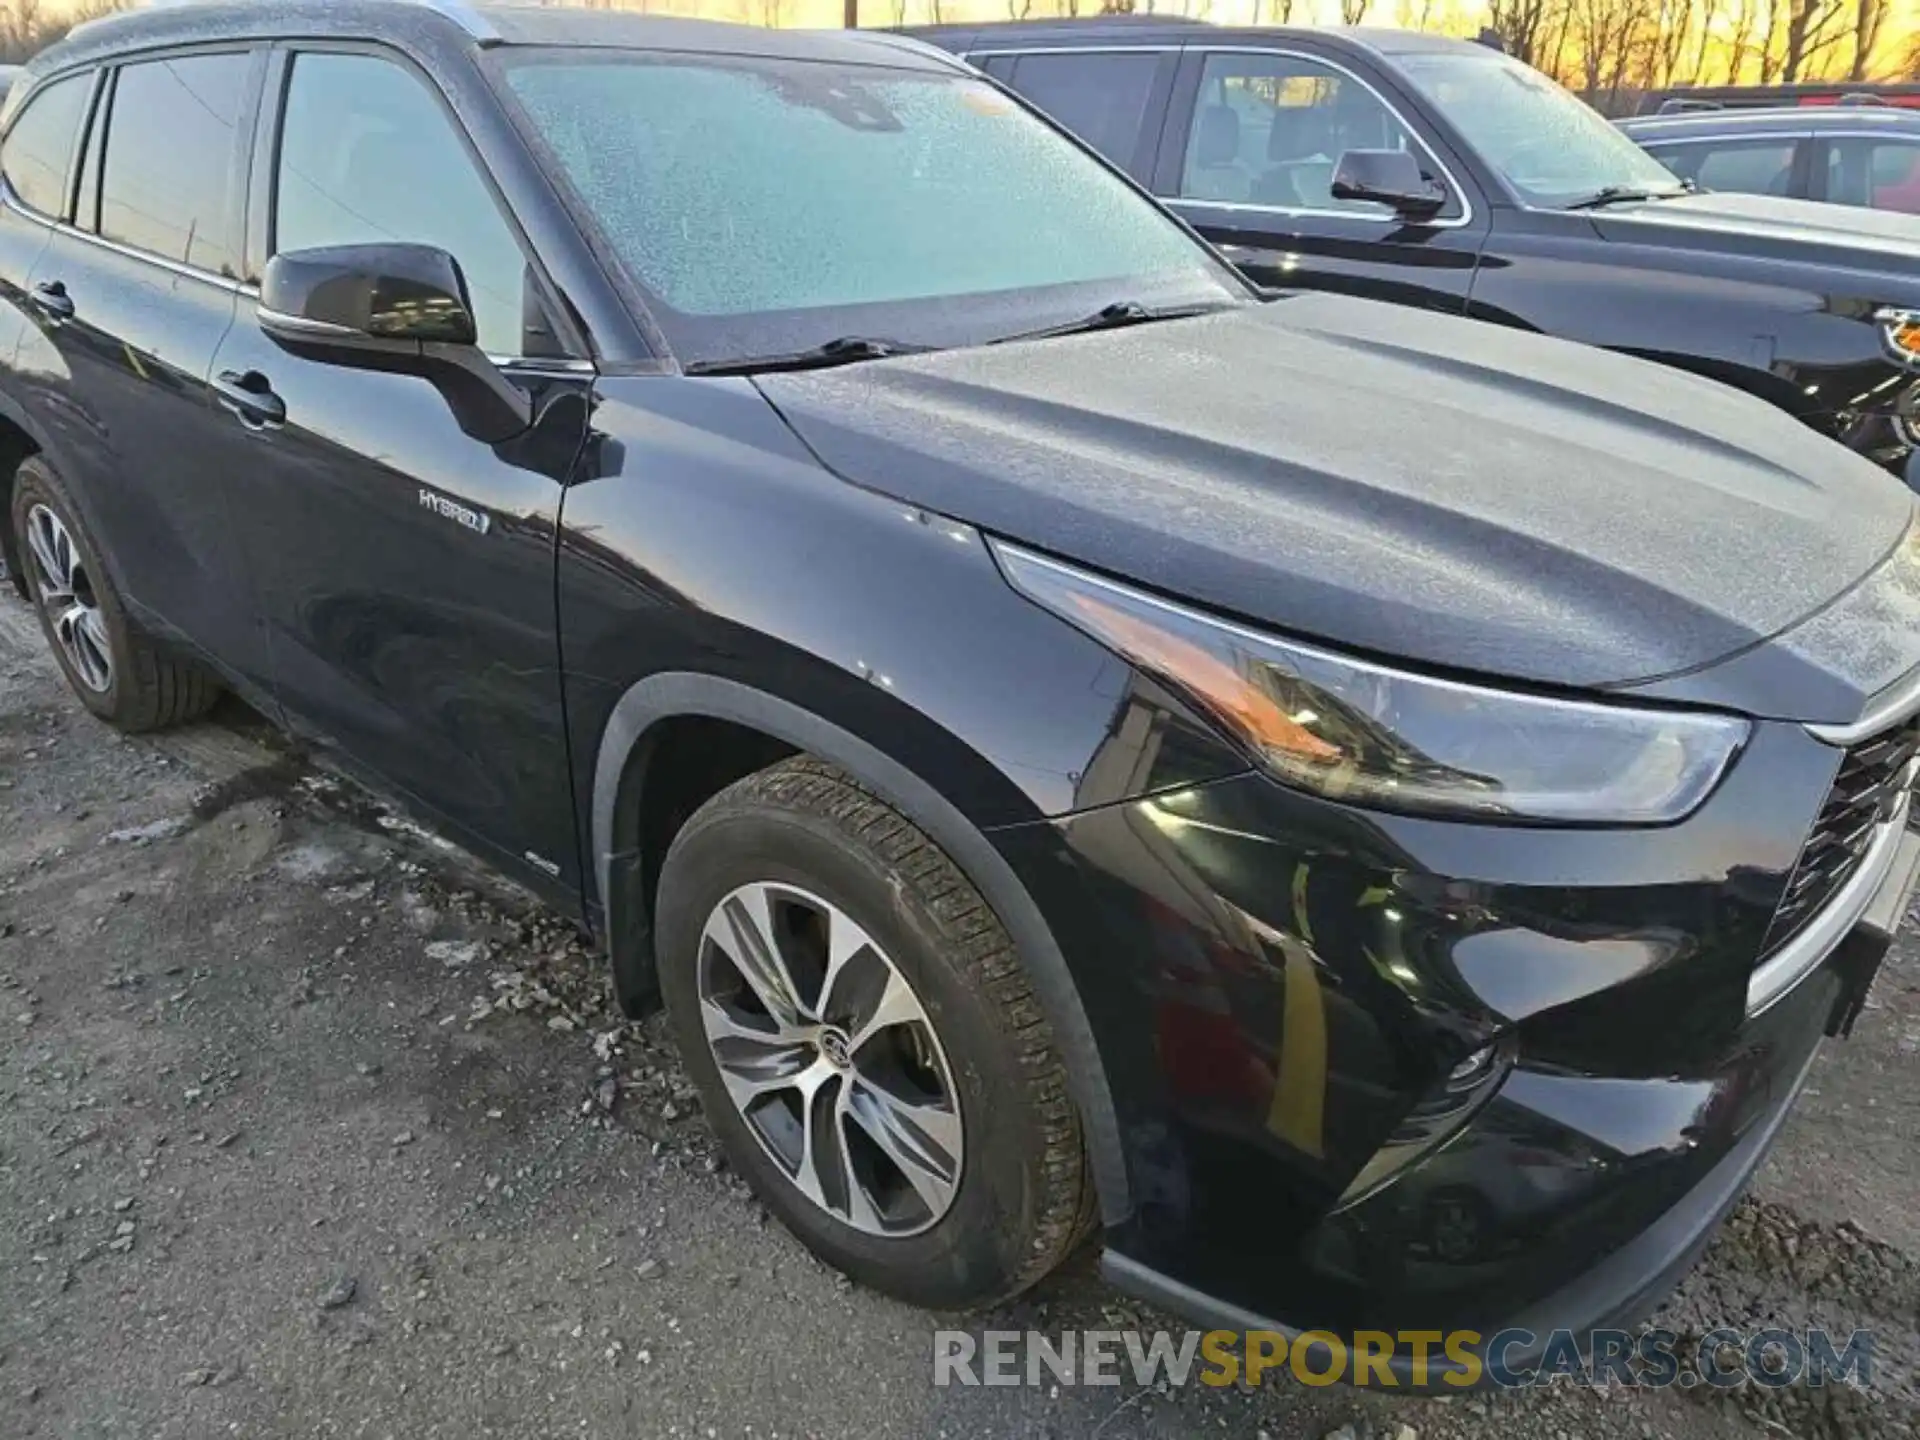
point(1361, 733)
point(1900, 329)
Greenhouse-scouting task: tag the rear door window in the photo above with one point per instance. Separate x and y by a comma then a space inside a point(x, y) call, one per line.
point(167, 181)
point(1102, 98)
point(38, 155)
point(1880, 174)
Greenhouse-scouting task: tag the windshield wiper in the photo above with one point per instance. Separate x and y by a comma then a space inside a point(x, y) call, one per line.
point(845, 350)
point(1623, 194)
point(1110, 317)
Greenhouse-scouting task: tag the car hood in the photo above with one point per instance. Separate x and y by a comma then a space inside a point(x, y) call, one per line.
point(1441, 490)
point(1765, 225)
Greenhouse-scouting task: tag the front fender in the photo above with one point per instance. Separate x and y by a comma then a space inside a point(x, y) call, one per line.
point(707, 539)
point(676, 694)
point(711, 567)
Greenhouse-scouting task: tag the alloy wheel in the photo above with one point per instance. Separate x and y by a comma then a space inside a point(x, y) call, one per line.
point(68, 599)
point(830, 1058)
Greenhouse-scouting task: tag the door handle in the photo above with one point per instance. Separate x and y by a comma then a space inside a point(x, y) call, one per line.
point(249, 396)
point(50, 298)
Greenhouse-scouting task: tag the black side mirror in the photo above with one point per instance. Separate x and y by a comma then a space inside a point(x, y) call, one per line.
point(398, 308)
point(1387, 177)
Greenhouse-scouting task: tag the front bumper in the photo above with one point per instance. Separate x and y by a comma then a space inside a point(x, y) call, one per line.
point(1618, 1292)
point(1281, 986)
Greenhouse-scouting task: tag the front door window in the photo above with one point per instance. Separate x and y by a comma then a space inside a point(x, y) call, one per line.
point(1269, 129)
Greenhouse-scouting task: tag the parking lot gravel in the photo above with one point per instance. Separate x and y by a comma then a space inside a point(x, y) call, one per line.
point(308, 1127)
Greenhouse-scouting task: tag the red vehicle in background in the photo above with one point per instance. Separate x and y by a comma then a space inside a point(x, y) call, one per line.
point(1681, 98)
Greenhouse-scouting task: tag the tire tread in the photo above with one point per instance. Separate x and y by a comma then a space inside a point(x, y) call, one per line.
point(982, 954)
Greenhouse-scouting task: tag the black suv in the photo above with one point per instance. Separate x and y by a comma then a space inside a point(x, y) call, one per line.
point(1375, 811)
point(1444, 174)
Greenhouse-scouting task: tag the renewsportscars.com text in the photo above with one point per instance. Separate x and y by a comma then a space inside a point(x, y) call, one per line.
point(1418, 1358)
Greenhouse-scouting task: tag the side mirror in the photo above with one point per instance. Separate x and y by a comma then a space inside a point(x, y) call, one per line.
point(402, 309)
point(1387, 177)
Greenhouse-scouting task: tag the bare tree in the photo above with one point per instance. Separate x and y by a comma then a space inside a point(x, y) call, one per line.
point(26, 26)
point(1813, 28)
point(1695, 68)
point(1019, 9)
point(1613, 35)
point(1746, 15)
point(1415, 14)
point(1518, 23)
point(1672, 20)
point(1869, 20)
point(22, 30)
point(1770, 43)
point(1353, 12)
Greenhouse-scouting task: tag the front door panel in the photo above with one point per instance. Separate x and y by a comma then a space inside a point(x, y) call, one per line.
point(407, 577)
point(406, 569)
point(1405, 264)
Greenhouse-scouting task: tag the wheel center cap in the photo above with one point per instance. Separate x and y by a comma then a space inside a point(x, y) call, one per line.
point(833, 1045)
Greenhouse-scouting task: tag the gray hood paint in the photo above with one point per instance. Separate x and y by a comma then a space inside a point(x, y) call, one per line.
point(1412, 485)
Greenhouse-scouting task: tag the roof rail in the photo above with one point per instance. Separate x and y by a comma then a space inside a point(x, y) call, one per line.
point(1049, 22)
point(467, 17)
point(1860, 97)
point(1676, 106)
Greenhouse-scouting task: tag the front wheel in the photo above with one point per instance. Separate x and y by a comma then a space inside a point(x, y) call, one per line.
point(866, 1042)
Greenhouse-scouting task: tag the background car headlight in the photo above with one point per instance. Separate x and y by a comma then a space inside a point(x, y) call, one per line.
point(1362, 733)
point(1901, 331)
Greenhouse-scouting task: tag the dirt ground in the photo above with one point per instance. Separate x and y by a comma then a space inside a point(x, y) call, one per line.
point(307, 1130)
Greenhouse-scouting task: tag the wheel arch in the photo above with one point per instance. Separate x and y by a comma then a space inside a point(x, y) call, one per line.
point(17, 444)
point(620, 869)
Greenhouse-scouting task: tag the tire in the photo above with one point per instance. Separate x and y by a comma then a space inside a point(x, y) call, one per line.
point(1017, 1191)
point(117, 672)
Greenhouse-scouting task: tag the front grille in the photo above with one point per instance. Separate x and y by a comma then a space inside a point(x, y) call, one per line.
point(1873, 779)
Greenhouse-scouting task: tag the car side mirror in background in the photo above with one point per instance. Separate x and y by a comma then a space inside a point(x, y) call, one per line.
point(398, 308)
point(1387, 177)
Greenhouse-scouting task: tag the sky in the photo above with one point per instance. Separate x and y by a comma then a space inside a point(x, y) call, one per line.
point(1462, 17)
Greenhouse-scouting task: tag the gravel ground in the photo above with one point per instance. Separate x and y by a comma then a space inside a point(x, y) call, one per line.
point(306, 1128)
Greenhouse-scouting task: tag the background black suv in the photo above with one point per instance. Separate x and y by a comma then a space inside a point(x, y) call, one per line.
point(1523, 207)
point(1375, 812)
